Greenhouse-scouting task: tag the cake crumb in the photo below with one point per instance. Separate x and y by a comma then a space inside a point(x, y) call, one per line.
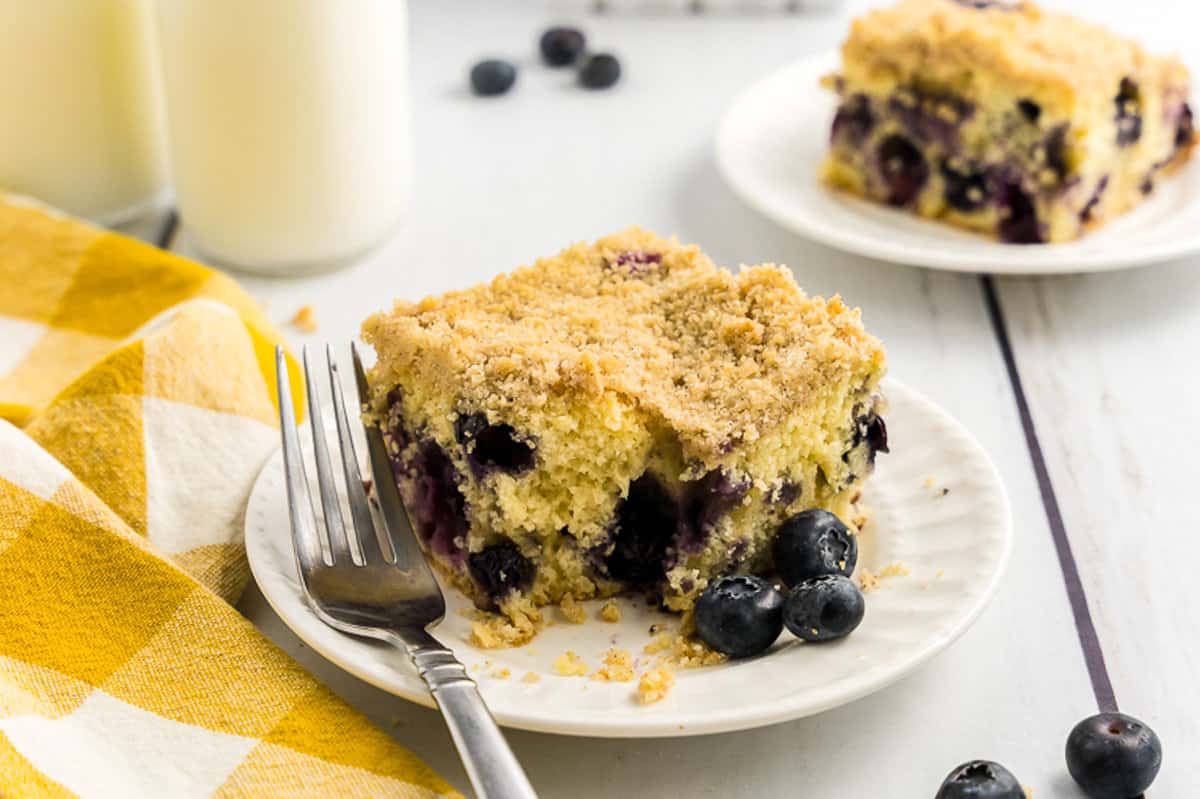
point(654, 685)
point(501, 674)
point(618, 667)
point(305, 319)
point(531, 678)
point(683, 651)
point(572, 611)
point(869, 580)
point(492, 631)
point(569, 664)
point(1028, 791)
point(928, 482)
point(611, 611)
point(659, 643)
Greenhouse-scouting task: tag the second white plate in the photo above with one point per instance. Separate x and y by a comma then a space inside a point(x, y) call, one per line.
point(938, 508)
point(769, 147)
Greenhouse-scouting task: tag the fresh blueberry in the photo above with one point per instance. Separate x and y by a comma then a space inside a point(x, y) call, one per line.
point(1129, 117)
point(647, 520)
point(854, 120)
point(492, 445)
point(492, 77)
point(600, 71)
point(903, 168)
point(1029, 109)
point(1018, 216)
point(500, 568)
point(739, 615)
point(824, 608)
point(812, 543)
point(965, 191)
point(561, 46)
point(1113, 756)
point(980, 779)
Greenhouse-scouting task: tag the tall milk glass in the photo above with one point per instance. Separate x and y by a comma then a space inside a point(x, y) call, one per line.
point(81, 127)
point(288, 126)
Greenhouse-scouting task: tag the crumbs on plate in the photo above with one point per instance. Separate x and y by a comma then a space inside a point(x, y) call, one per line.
point(305, 319)
point(569, 664)
point(611, 611)
point(654, 685)
point(618, 667)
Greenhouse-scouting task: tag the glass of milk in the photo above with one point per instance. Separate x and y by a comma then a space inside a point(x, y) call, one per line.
point(82, 127)
point(288, 127)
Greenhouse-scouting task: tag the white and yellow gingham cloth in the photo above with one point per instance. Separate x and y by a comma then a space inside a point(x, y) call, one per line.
point(144, 386)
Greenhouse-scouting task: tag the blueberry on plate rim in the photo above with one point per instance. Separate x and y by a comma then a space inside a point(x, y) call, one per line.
point(739, 615)
point(812, 543)
point(824, 608)
point(599, 71)
point(1113, 756)
point(492, 76)
point(980, 779)
point(561, 46)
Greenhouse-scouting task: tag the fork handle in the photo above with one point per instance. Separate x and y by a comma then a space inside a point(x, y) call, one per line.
point(491, 765)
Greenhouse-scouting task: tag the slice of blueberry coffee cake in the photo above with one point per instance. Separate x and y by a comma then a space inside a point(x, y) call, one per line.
point(622, 416)
point(1000, 117)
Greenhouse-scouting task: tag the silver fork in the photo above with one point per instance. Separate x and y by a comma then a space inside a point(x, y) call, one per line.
point(375, 583)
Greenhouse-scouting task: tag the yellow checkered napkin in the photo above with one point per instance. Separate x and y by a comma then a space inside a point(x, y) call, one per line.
point(145, 385)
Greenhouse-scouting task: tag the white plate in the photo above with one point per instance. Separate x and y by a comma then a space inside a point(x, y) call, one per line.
point(939, 507)
point(769, 147)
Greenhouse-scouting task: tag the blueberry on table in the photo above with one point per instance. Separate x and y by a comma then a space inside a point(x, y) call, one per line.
point(600, 71)
point(1113, 756)
point(492, 77)
point(739, 615)
point(824, 608)
point(561, 46)
point(812, 543)
point(980, 779)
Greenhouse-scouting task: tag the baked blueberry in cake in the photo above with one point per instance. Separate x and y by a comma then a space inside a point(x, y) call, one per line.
point(997, 116)
point(624, 416)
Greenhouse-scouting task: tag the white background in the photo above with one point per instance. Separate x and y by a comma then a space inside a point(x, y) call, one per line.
point(1108, 363)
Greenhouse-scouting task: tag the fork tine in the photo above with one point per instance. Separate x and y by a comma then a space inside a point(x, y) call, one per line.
point(360, 511)
point(400, 534)
point(306, 539)
point(335, 522)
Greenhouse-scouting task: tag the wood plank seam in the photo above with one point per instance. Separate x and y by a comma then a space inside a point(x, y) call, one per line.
point(1089, 640)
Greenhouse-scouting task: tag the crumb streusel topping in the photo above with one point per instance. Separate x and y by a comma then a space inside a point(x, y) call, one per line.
point(719, 357)
point(1020, 43)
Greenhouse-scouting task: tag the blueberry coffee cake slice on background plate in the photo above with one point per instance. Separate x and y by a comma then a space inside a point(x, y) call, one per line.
point(997, 116)
point(624, 416)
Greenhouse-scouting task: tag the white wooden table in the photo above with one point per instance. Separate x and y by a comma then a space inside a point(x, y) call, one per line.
point(1083, 389)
